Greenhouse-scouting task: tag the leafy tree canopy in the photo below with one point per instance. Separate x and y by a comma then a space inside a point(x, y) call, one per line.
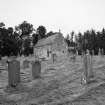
point(24, 29)
point(41, 31)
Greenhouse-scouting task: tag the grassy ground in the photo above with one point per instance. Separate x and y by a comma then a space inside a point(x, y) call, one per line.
point(60, 84)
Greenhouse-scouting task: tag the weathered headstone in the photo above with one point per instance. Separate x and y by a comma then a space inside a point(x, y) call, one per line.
point(3, 62)
point(54, 58)
point(36, 69)
point(3, 65)
point(25, 64)
point(102, 52)
point(88, 74)
point(99, 52)
point(77, 52)
point(87, 52)
point(93, 52)
point(13, 73)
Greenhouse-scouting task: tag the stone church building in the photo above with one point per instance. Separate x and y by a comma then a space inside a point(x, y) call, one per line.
point(54, 44)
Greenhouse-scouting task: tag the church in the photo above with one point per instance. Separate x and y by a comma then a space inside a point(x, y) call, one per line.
point(54, 44)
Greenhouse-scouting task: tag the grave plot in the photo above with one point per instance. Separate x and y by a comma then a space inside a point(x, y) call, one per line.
point(55, 86)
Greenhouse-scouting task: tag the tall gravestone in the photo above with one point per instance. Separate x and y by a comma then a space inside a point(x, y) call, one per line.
point(77, 52)
point(88, 74)
point(36, 69)
point(13, 73)
point(102, 52)
point(54, 58)
point(93, 52)
point(99, 52)
point(0, 57)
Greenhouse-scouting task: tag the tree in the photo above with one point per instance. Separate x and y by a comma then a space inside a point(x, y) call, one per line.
point(27, 46)
point(72, 35)
point(41, 31)
point(10, 30)
point(35, 38)
point(79, 42)
point(9, 41)
point(2, 25)
point(92, 42)
point(3, 39)
point(67, 39)
point(103, 38)
point(24, 29)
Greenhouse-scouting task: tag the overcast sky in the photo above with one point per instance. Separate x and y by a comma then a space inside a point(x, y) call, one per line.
point(67, 15)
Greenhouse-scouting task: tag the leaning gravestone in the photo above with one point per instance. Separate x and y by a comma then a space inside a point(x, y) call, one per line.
point(36, 69)
point(88, 74)
point(13, 73)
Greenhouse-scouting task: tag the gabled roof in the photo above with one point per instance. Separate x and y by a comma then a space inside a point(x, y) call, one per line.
point(48, 40)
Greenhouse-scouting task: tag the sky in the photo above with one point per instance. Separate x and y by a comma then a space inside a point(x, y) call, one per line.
point(66, 15)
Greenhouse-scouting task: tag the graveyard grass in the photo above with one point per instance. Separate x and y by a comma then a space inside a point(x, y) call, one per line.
point(60, 84)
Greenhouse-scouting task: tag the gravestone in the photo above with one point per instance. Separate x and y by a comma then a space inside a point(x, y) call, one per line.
point(25, 64)
point(36, 69)
point(99, 52)
point(93, 52)
point(77, 52)
point(3, 62)
point(54, 58)
point(102, 52)
point(88, 74)
point(13, 73)
point(0, 57)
